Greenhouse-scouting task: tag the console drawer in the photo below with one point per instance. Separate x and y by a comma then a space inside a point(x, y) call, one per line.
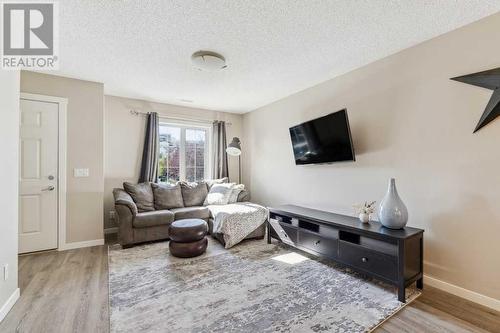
point(369, 261)
point(316, 243)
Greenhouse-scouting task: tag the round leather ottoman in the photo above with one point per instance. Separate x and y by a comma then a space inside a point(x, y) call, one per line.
point(187, 238)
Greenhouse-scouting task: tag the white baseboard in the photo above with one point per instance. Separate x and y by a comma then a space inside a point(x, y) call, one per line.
point(470, 295)
point(77, 245)
point(4, 310)
point(113, 230)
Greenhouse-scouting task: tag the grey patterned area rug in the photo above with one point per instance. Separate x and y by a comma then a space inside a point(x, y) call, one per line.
point(253, 287)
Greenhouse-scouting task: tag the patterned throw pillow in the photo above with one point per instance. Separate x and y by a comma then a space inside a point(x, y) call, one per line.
point(142, 194)
point(219, 194)
point(235, 193)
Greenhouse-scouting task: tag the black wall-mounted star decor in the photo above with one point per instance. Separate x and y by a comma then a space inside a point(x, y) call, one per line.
point(489, 80)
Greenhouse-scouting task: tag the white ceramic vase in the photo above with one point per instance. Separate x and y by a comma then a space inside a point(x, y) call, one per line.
point(363, 217)
point(392, 211)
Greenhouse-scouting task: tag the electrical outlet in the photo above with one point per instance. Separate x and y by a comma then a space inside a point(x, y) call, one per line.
point(5, 272)
point(112, 214)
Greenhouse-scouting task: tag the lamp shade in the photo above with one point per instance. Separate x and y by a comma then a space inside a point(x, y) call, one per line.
point(234, 148)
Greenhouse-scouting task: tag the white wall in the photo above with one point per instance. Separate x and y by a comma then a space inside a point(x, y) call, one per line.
point(411, 122)
point(9, 168)
point(124, 140)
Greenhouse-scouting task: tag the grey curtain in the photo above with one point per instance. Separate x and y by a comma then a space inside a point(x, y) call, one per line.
point(220, 169)
point(149, 165)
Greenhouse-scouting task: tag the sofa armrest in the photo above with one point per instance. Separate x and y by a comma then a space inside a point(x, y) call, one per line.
point(126, 210)
point(243, 196)
point(123, 198)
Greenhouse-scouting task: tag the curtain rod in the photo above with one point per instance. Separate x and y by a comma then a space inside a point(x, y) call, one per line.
point(139, 113)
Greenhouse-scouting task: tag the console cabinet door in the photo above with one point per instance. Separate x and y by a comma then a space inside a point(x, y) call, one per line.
point(289, 233)
point(283, 231)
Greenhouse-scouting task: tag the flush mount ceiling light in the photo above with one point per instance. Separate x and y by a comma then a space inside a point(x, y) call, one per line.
point(208, 61)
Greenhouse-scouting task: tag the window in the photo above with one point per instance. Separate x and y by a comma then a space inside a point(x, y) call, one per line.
point(184, 153)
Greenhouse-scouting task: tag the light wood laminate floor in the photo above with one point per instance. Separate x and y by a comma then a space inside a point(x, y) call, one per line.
point(68, 292)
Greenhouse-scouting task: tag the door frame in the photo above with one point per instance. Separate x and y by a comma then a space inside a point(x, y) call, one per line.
point(61, 157)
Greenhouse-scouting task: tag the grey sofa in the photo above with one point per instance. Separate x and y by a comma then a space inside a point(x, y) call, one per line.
point(145, 211)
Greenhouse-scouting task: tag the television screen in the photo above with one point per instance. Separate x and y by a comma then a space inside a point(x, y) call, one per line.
point(323, 140)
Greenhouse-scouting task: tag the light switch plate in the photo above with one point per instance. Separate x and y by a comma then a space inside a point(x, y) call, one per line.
point(80, 172)
point(6, 272)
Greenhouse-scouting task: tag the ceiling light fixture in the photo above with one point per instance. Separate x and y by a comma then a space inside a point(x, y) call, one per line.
point(208, 61)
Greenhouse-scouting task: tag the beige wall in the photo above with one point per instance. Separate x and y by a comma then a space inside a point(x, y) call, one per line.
point(9, 177)
point(124, 137)
point(85, 144)
point(409, 121)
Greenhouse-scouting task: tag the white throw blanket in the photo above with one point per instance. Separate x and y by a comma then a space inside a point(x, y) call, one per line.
point(238, 220)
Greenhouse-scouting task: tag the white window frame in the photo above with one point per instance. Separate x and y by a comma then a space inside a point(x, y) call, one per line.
point(183, 125)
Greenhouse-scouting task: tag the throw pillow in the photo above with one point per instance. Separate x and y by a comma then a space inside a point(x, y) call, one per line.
point(142, 194)
point(219, 194)
point(233, 197)
point(167, 196)
point(194, 194)
point(211, 182)
point(243, 196)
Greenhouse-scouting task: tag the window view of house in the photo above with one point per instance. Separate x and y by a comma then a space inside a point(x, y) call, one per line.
point(183, 153)
point(195, 154)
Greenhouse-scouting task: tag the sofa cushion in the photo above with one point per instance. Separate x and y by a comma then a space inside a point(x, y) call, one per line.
point(193, 194)
point(197, 212)
point(211, 182)
point(142, 194)
point(167, 196)
point(153, 218)
point(219, 194)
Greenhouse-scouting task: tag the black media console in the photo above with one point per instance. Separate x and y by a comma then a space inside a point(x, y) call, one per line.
point(393, 256)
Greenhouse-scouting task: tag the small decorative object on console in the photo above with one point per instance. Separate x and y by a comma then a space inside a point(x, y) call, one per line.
point(392, 212)
point(364, 211)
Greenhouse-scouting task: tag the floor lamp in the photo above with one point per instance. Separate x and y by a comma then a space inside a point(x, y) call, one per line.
point(234, 149)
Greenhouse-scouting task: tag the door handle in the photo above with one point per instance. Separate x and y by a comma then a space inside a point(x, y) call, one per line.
point(48, 188)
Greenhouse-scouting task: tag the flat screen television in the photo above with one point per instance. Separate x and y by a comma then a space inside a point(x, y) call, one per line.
point(323, 140)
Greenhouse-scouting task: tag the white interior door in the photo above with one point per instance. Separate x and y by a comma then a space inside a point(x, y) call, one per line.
point(38, 184)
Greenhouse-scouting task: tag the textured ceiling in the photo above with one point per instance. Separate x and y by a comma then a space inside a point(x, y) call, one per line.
point(273, 48)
